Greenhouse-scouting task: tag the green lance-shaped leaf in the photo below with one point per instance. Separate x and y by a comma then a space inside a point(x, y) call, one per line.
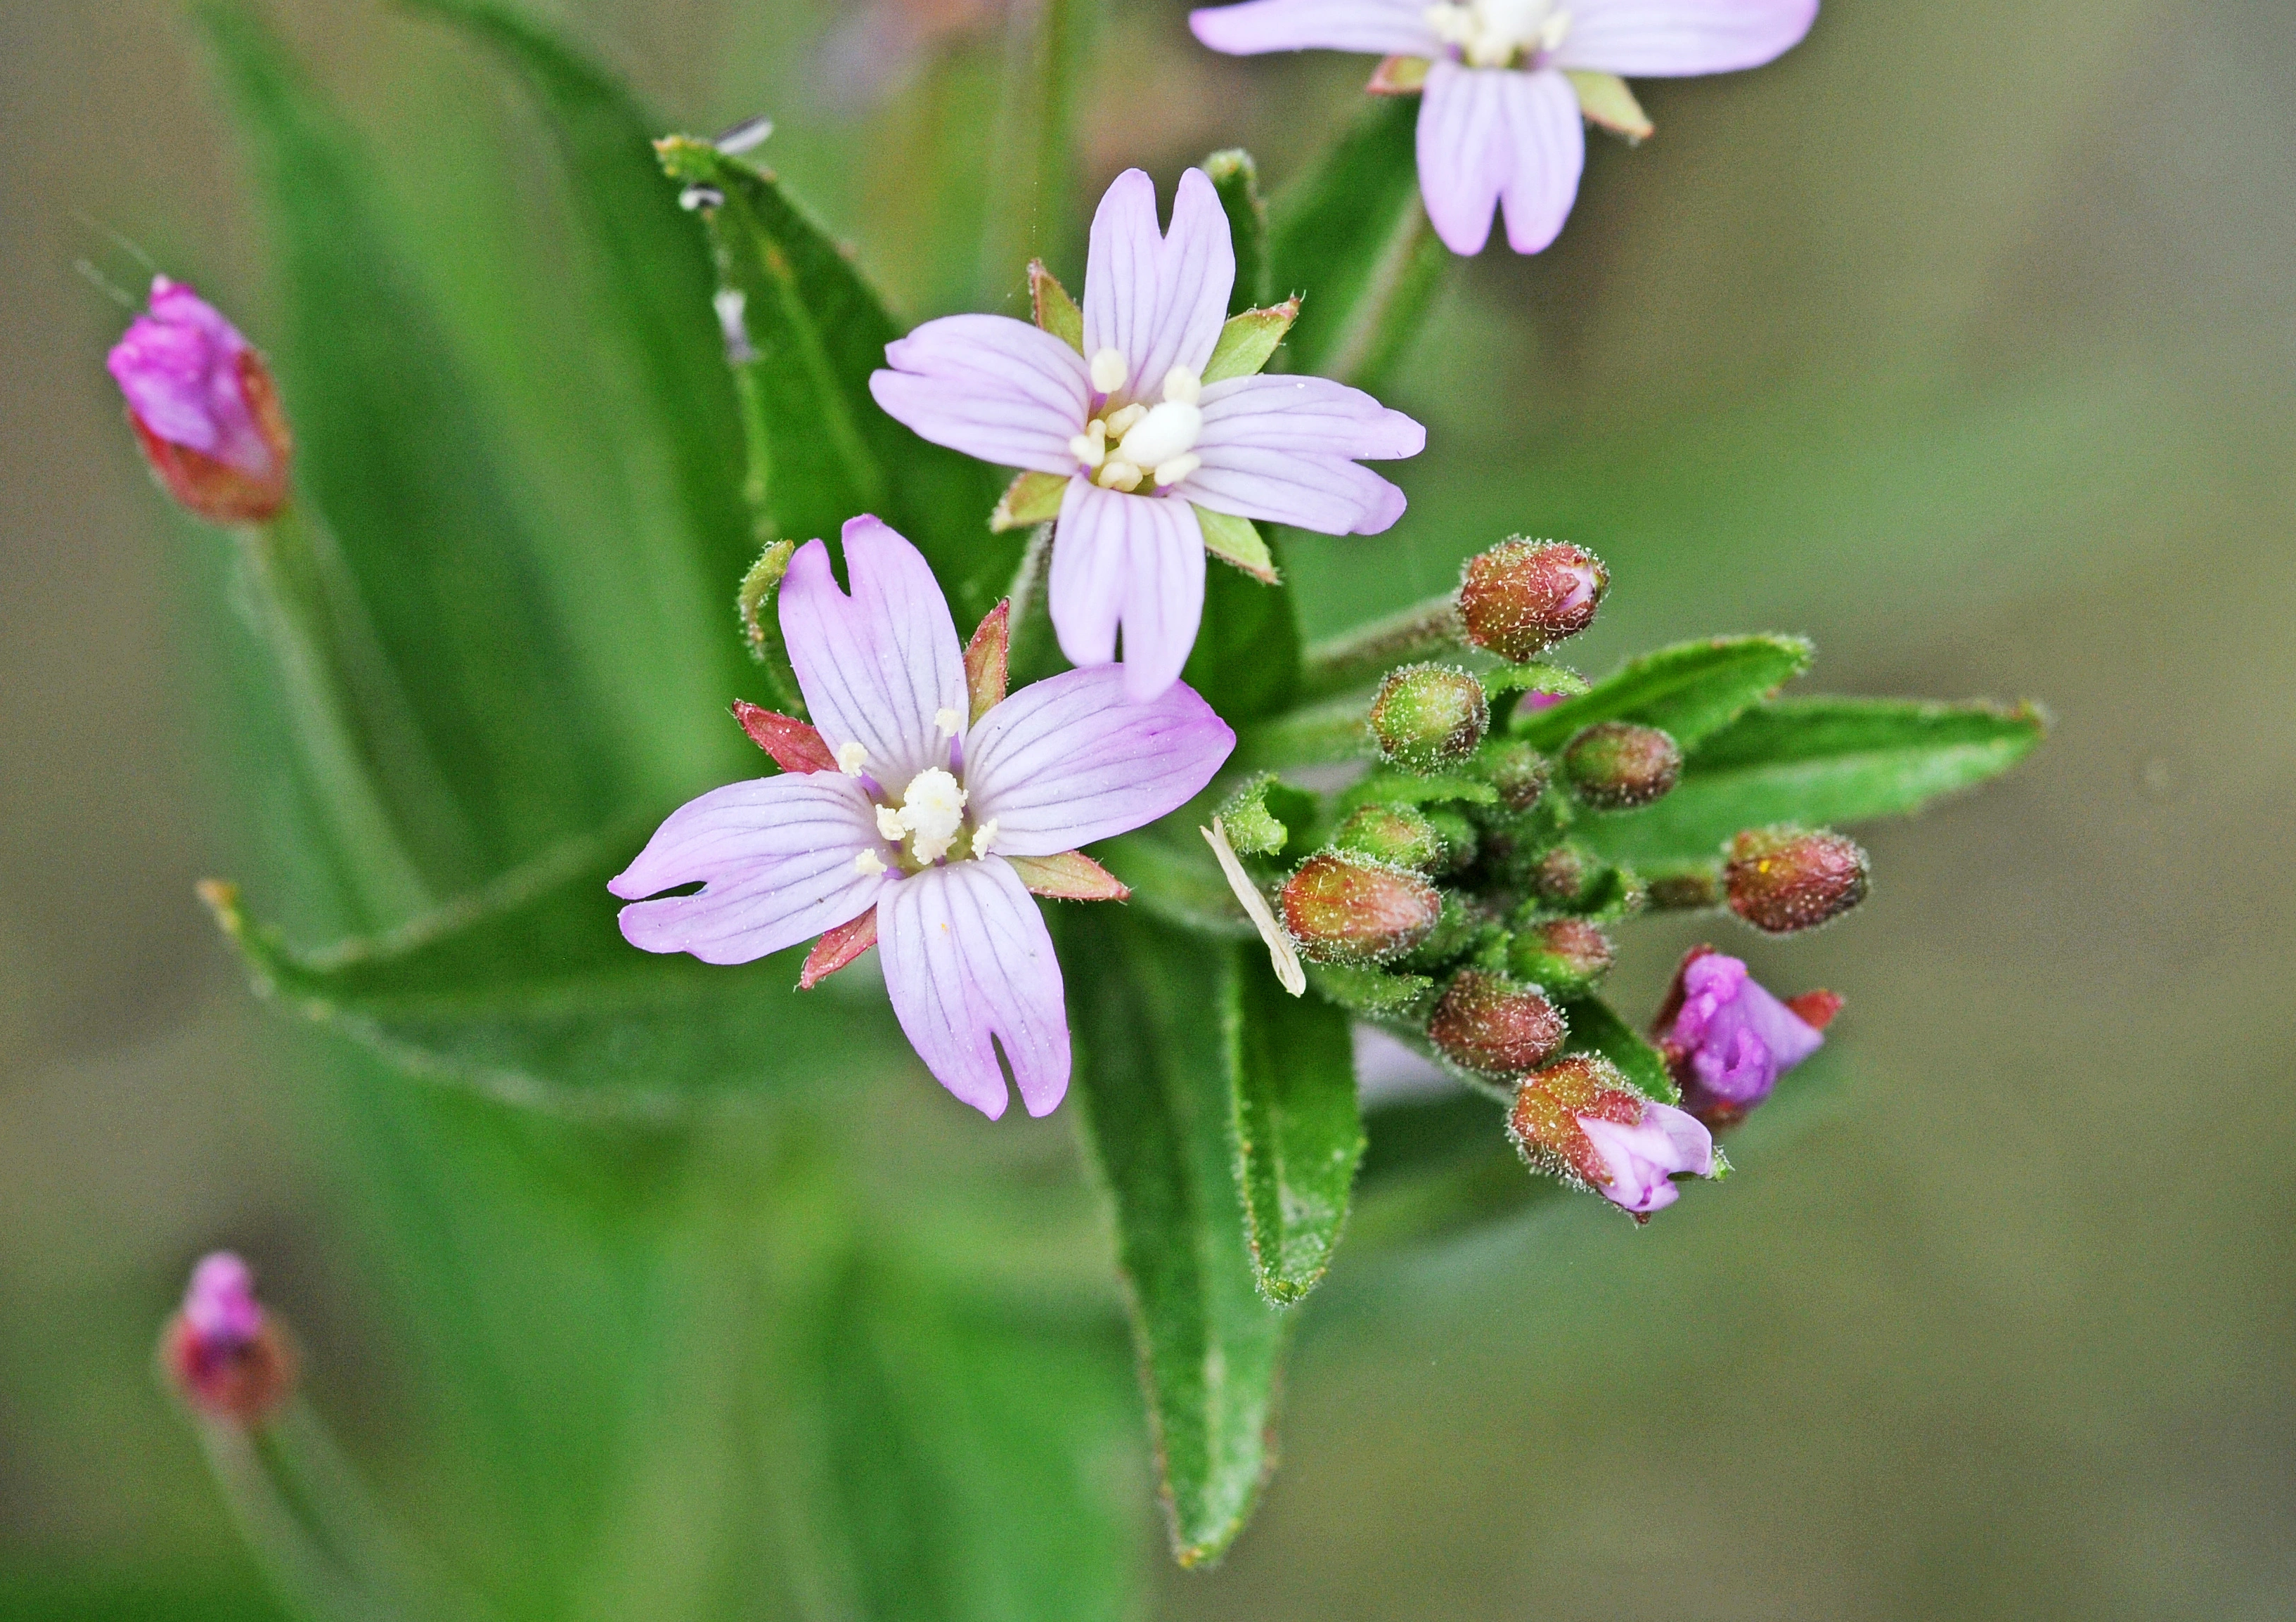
point(1152, 1098)
point(1596, 1029)
point(804, 331)
point(1236, 178)
point(1688, 690)
point(1298, 1134)
point(526, 990)
point(1352, 240)
point(398, 458)
point(1818, 761)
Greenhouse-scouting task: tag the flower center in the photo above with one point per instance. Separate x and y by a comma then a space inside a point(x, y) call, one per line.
point(1499, 33)
point(1124, 445)
point(928, 818)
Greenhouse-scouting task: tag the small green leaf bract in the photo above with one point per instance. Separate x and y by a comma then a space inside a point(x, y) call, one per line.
point(1689, 690)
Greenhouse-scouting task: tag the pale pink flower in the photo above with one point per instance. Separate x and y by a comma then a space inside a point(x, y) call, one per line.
point(906, 822)
point(1500, 120)
point(1641, 1158)
point(1142, 439)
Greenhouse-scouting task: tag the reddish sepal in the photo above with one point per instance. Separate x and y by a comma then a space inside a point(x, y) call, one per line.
point(794, 746)
point(837, 948)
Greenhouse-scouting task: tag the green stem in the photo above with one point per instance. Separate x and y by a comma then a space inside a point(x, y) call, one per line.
point(285, 570)
point(1031, 210)
point(1323, 734)
point(1411, 270)
point(1354, 658)
point(1031, 655)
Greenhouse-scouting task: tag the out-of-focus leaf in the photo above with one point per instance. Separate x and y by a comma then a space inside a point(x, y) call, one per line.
point(1595, 1029)
point(1688, 690)
point(526, 990)
point(811, 331)
point(1298, 1135)
point(1236, 178)
point(1817, 760)
point(397, 457)
point(1351, 239)
point(1151, 1100)
point(1437, 1167)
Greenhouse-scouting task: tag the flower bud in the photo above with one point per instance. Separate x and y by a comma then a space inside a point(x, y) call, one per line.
point(1518, 771)
point(1486, 1023)
point(1686, 889)
point(1614, 765)
point(1458, 932)
point(1521, 597)
point(1560, 876)
point(1782, 879)
point(1578, 1120)
point(1348, 909)
point(1428, 716)
point(1565, 955)
point(1461, 842)
point(1727, 1040)
point(226, 1356)
point(1398, 834)
point(203, 407)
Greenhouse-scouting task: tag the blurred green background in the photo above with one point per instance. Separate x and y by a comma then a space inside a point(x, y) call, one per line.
point(1961, 339)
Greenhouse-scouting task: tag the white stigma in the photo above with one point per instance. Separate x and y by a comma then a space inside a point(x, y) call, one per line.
point(1137, 440)
point(850, 757)
point(868, 864)
point(932, 809)
point(1109, 371)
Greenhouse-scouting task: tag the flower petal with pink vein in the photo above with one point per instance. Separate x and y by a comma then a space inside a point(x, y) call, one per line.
point(1376, 28)
point(968, 963)
point(1134, 562)
point(775, 857)
point(1070, 760)
point(1487, 134)
point(991, 386)
point(1674, 38)
point(1158, 299)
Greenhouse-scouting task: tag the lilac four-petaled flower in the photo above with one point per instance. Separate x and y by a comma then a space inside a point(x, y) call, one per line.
point(1728, 1039)
point(919, 812)
point(1500, 120)
point(1143, 440)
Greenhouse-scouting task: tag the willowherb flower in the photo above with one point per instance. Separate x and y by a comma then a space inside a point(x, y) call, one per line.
point(203, 407)
point(1152, 443)
point(1578, 1120)
point(1506, 83)
point(917, 813)
point(1729, 1040)
point(225, 1355)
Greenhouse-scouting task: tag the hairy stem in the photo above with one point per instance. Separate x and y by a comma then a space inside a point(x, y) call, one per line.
point(1353, 658)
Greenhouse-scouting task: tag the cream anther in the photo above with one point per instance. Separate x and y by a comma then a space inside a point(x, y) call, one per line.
point(1498, 33)
point(1119, 423)
point(1090, 447)
point(889, 823)
point(1118, 475)
point(1109, 371)
point(983, 837)
point(1182, 387)
point(945, 722)
point(1178, 468)
point(868, 864)
point(850, 759)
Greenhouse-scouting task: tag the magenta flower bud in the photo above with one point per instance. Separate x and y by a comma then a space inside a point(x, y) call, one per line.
point(1521, 597)
point(1579, 1120)
point(1428, 716)
point(1488, 1024)
point(1348, 909)
point(1614, 765)
point(226, 1357)
point(1401, 835)
point(1729, 1040)
point(203, 407)
point(1567, 956)
point(1784, 880)
point(1518, 771)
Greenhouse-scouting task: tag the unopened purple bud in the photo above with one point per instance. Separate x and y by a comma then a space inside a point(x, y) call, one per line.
point(1518, 771)
point(1728, 1039)
point(226, 1356)
point(1782, 880)
point(203, 407)
point(1401, 835)
point(1615, 766)
point(1488, 1023)
point(1578, 1119)
point(1428, 716)
point(1568, 957)
point(1348, 909)
point(1521, 597)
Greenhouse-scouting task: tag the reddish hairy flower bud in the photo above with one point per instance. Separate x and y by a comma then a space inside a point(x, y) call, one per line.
point(1520, 773)
point(1349, 909)
point(1782, 879)
point(203, 407)
point(1488, 1023)
point(1566, 955)
point(1521, 597)
point(1614, 765)
point(1579, 1120)
point(226, 1356)
point(1398, 834)
point(1428, 716)
point(1562, 875)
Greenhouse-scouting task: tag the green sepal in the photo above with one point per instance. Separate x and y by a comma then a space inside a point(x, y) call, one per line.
point(1031, 499)
point(1370, 994)
point(1267, 817)
point(1248, 341)
point(1596, 1029)
point(1689, 690)
point(1235, 540)
point(1298, 1132)
point(1236, 178)
point(1052, 308)
point(1606, 99)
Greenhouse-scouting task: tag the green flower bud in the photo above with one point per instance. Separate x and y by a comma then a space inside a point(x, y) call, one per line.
point(1782, 879)
point(1428, 716)
point(1399, 834)
point(1566, 956)
point(1458, 931)
point(1521, 597)
point(1560, 876)
point(1518, 771)
point(1489, 1024)
point(1349, 909)
point(1460, 840)
point(1614, 765)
